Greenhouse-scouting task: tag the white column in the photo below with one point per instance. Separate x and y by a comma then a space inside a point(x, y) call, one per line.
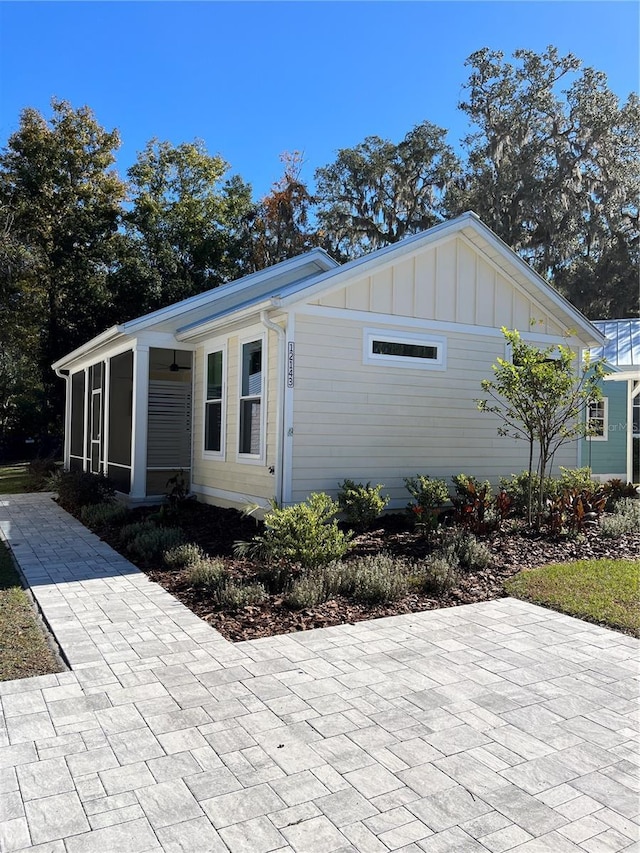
point(66, 456)
point(633, 390)
point(140, 422)
point(86, 448)
point(106, 380)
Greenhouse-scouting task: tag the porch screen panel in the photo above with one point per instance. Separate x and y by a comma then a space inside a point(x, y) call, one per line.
point(120, 420)
point(77, 415)
point(120, 408)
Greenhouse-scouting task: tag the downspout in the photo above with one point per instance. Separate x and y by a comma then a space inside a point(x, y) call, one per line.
point(66, 375)
point(280, 332)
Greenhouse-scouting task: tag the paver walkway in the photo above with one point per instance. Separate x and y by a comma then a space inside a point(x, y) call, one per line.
point(498, 726)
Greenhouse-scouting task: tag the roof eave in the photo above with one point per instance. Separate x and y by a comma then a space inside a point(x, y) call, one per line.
point(108, 336)
point(202, 328)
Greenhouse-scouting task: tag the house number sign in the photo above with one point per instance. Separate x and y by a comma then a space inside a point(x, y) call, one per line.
point(291, 357)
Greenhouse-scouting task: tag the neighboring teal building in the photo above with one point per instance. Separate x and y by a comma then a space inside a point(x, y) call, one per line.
point(615, 450)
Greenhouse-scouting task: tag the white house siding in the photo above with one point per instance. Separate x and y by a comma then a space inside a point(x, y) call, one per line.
point(380, 423)
point(450, 282)
point(227, 481)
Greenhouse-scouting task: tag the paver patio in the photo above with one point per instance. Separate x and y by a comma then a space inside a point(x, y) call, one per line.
point(498, 726)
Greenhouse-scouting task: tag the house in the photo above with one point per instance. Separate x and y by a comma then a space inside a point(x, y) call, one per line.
point(293, 378)
point(614, 449)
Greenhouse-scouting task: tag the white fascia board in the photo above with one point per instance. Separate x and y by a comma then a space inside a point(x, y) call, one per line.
point(106, 337)
point(623, 375)
point(202, 328)
point(318, 256)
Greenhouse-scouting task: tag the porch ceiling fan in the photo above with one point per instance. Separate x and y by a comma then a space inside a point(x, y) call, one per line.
point(174, 367)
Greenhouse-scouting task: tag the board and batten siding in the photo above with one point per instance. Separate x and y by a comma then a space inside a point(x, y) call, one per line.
point(247, 480)
point(377, 423)
point(450, 282)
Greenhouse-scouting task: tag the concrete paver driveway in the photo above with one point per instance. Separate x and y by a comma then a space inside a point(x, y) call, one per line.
point(498, 726)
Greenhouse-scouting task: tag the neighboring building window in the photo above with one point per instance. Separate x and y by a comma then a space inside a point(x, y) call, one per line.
point(398, 349)
point(597, 420)
point(214, 403)
point(251, 393)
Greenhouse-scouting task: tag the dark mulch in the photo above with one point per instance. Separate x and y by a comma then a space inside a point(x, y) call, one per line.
point(216, 530)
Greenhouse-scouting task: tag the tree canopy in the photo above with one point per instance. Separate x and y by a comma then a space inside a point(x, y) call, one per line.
point(550, 163)
point(379, 192)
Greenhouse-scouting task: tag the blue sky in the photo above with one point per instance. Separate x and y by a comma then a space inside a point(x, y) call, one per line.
point(254, 79)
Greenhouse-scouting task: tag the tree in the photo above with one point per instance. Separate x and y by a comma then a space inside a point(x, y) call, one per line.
point(60, 205)
point(280, 225)
point(184, 229)
point(379, 192)
point(555, 173)
point(541, 398)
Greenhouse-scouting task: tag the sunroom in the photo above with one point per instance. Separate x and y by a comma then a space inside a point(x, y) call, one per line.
point(128, 414)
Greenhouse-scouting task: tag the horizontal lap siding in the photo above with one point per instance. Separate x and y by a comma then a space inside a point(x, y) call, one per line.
point(382, 424)
point(610, 456)
point(252, 480)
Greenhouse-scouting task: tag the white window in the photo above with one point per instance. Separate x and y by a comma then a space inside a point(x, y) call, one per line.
point(251, 439)
point(598, 419)
point(214, 408)
point(400, 349)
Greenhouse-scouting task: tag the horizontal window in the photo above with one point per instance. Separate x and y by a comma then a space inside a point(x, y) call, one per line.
point(397, 349)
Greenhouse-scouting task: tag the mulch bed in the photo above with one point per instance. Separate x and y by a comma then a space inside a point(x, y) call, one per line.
point(216, 530)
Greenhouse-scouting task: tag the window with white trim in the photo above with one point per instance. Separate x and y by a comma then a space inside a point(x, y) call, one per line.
point(597, 419)
point(214, 403)
point(251, 396)
point(399, 349)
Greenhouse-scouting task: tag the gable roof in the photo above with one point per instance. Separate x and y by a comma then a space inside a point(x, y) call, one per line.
point(227, 298)
point(314, 273)
point(622, 346)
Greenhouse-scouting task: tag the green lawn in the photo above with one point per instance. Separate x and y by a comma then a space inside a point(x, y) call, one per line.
point(603, 591)
point(14, 479)
point(24, 650)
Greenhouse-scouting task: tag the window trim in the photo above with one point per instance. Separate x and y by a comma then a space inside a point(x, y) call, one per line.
point(253, 458)
point(401, 337)
point(605, 419)
point(215, 454)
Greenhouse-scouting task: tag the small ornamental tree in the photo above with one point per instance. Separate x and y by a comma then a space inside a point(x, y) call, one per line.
point(541, 398)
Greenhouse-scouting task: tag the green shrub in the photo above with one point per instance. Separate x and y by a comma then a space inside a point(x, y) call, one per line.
point(305, 534)
point(151, 544)
point(307, 591)
point(624, 519)
point(578, 479)
point(461, 549)
point(438, 575)
point(473, 555)
point(208, 573)
point(235, 596)
point(101, 515)
point(40, 473)
point(517, 488)
point(361, 503)
point(80, 488)
point(378, 578)
point(130, 531)
point(429, 496)
point(183, 556)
